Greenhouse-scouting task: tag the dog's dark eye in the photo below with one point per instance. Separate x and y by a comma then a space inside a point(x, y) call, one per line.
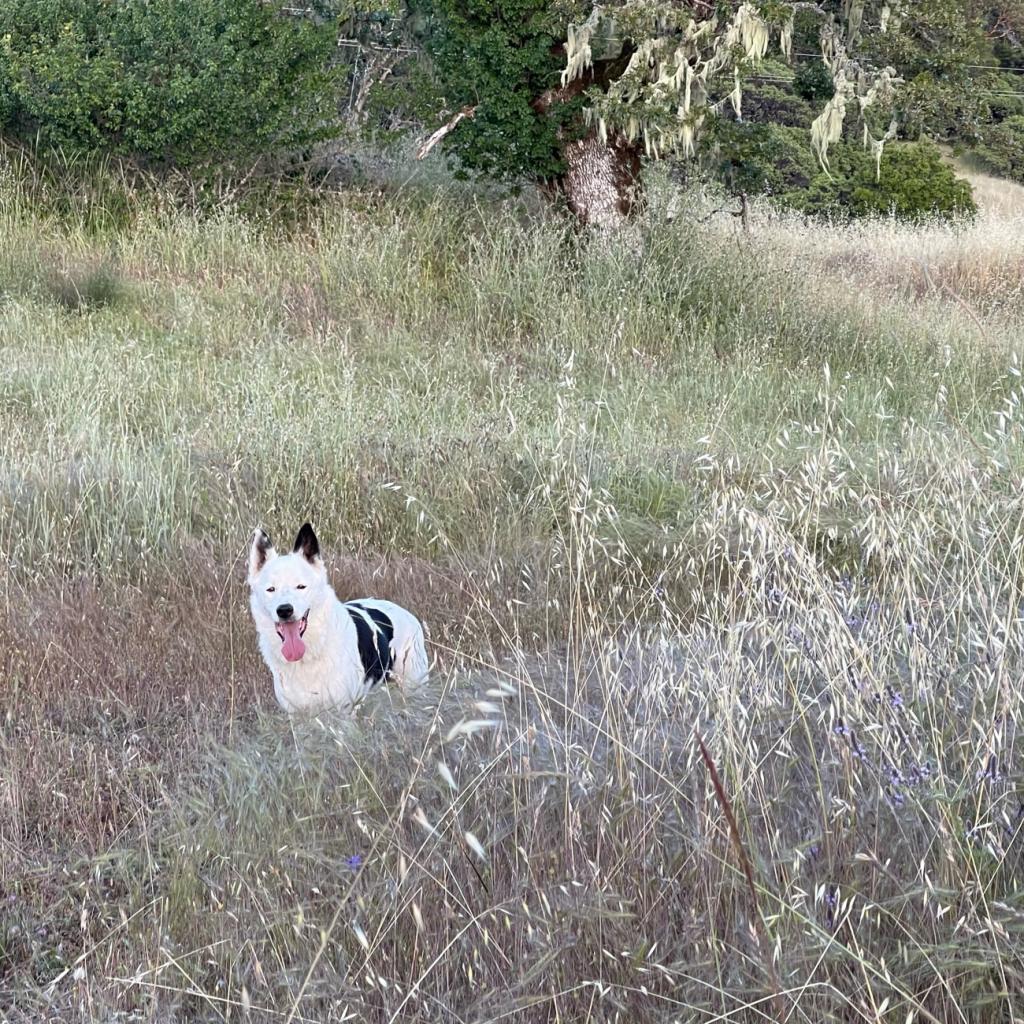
point(270, 590)
point(301, 586)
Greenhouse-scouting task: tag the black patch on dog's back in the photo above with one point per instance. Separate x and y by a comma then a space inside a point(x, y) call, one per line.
point(374, 643)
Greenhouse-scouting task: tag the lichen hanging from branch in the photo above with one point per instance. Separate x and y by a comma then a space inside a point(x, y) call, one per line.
point(681, 61)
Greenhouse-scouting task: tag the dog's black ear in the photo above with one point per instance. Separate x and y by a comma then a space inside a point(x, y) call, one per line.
point(260, 553)
point(306, 543)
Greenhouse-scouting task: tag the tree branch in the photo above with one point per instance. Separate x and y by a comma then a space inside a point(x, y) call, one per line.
point(444, 130)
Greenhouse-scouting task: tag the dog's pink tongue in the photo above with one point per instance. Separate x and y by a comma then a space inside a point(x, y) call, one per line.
point(293, 647)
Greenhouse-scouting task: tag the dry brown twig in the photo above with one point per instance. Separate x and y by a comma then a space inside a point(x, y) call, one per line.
point(760, 932)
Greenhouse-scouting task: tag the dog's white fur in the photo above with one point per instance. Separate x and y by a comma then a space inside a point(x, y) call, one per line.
point(330, 672)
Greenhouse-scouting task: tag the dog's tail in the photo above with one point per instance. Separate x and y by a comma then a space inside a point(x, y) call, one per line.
point(411, 664)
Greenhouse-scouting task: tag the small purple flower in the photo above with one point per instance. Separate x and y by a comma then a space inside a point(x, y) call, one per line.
point(857, 748)
point(354, 863)
point(831, 903)
point(991, 770)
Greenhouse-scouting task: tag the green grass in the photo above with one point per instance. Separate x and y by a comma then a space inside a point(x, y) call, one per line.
point(762, 488)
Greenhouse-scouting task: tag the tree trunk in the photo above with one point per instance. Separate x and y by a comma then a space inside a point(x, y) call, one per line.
point(601, 182)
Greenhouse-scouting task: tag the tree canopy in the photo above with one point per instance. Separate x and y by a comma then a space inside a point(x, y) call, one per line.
point(659, 78)
point(649, 71)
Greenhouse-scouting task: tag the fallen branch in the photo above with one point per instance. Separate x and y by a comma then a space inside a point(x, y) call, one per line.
point(444, 130)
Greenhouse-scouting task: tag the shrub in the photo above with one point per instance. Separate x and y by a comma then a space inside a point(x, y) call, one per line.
point(772, 104)
point(913, 183)
point(1002, 148)
point(163, 82)
point(764, 158)
point(778, 161)
point(813, 82)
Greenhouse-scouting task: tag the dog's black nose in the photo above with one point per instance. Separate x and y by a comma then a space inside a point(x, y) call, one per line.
point(284, 611)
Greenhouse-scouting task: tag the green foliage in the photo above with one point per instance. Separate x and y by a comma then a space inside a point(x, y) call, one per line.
point(941, 49)
point(1004, 94)
point(813, 82)
point(406, 99)
point(164, 82)
point(764, 158)
point(501, 59)
point(1002, 148)
point(774, 104)
point(499, 56)
point(940, 107)
point(930, 36)
point(913, 182)
point(778, 161)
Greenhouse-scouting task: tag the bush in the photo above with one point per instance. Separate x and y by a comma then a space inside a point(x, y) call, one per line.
point(764, 159)
point(771, 104)
point(813, 82)
point(913, 183)
point(1002, 148)
point(163, 82)
point(778, 161)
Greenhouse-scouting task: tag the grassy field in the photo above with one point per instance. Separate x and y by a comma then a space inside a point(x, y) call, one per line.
point(760, 492)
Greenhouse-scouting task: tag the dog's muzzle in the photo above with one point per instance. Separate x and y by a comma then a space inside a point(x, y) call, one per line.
point(291, 632)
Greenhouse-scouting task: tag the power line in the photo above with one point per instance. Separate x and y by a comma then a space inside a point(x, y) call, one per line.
point(985, 67)
point(764, 79)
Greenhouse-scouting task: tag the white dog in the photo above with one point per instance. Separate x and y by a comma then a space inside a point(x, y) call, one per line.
point(323, 652)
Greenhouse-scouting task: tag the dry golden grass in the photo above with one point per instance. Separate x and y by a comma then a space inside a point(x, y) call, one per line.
point(762, 493)
point(958, 270)
point(998, 198)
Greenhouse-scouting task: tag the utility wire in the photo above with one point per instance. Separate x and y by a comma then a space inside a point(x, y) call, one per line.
point(987, 92)
point(986, 67)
